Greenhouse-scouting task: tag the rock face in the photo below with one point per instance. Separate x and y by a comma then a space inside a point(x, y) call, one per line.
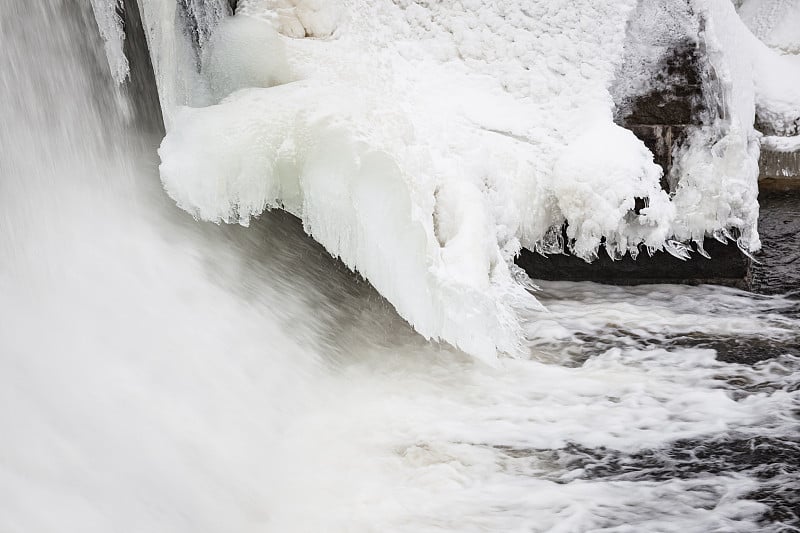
point(727, 266)
point(662, 117)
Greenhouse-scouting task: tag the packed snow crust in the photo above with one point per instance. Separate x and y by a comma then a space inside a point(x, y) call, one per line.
point(425, 143)
point(775, 22)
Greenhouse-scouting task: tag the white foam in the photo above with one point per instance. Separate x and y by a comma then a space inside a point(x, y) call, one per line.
point(162, 375)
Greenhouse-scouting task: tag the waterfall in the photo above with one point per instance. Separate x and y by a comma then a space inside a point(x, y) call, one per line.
point(159, 373)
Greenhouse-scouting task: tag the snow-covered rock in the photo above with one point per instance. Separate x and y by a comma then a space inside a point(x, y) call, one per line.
point(424, 143)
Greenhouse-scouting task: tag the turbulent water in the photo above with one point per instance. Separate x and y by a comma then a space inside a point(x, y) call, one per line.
point(159, 374)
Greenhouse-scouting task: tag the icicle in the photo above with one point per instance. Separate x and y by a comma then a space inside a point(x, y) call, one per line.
point(677, 249)
point(743, 248)
point(614, 252)
point(718, 235)
point(110, 25)
point(727, 234)
point(701, 250)
point(552, 243)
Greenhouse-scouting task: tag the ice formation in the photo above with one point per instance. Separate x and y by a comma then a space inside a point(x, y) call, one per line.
point(110, 25)
point(176, 34)
point(425, 143)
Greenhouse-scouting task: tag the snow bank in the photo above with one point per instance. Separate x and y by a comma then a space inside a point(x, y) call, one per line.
point(781, 144)
point(424, 144)
point(775, 62)
point(775, 22)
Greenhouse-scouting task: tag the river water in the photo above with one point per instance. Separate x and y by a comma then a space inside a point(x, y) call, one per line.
point(159, 374)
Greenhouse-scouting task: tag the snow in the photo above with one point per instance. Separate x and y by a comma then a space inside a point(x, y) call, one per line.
point(416, 146)
point(776, 62)
point(228, 65)
point(424, 143)
point(781, 144)
point(775, 22)
point(777, 81)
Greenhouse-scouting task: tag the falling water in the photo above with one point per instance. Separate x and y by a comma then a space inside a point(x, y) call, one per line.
point(158, 374)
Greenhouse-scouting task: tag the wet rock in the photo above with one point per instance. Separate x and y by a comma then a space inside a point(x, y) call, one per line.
point(727, 266)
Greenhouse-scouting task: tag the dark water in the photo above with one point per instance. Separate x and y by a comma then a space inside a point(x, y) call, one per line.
point(778, 270)
point(775, 462)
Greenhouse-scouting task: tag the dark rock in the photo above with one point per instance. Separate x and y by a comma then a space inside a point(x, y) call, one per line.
point(661, 117)
point(679, 100)
point(727, 266)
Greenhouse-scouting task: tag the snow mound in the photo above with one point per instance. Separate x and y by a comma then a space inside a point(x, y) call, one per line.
point(775, 22)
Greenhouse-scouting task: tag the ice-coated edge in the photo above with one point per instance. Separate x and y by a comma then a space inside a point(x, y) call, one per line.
point(424, 144)
point(174, 57)
point(450, 282)
point(110, 25)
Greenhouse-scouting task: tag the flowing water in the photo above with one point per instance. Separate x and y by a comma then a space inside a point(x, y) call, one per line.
point(159, 374)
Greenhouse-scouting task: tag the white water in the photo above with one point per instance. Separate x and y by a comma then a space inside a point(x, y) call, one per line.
point(159, 374)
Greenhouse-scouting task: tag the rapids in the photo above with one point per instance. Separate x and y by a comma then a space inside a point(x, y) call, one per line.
point(162, 374)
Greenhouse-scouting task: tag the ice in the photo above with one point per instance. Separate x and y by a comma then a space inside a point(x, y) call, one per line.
point(162, 375)
point(419, 154)
point(176, 34)
point(775, 63)
point(111, 30)
point(228, 61)
point(425, 143)
point(303, 149)
point(595, 204)
point(655, 30)
point(205, 15)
